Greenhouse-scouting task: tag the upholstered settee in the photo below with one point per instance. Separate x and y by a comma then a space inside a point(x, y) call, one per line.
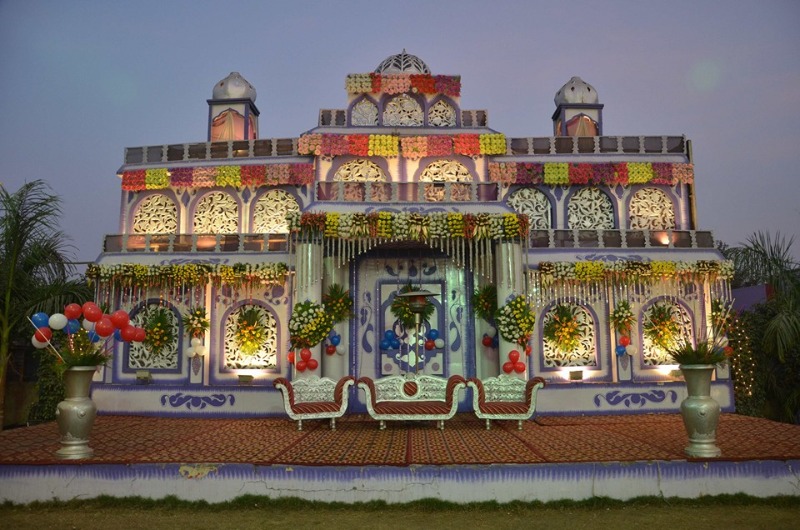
point(420, 397)
point(314, 398)
point(504, 397)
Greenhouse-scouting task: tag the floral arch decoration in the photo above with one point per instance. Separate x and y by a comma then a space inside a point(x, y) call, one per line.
point(590, 209)
point(251, 338)
point(156, 214)
point(651, 209)
point(574, 341)
point(364, 113)
point(535, 205)
point(403, 111)
point(216, 213)
point(270, 210)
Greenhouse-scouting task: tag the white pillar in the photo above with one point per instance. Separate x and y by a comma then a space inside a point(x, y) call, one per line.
point(308, 286)
point(335, 366)
point(509, 277)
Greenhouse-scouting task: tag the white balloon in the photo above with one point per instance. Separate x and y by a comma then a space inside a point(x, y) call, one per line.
point(200, 350)
point(196, 341)
point(88, 326)
point(57, 321)
point(339, 350)
point(190, 352)
point(37, 344)
point(491, 332)
point(439, 343)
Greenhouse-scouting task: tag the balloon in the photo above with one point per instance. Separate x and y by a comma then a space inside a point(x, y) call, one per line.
point(37, 343)
point(91, 312)
point(73, 311)
point(305, 354)
point(621, 350)
point(128, 333)
point(57, 321)
point(93, 336)
point(495, 341)
point(513, 356)
point(389, 334)
point(439, 343)
point(301, 366)
point(120, 318)
point(330, 349)
point(339, 351)
point(487, 341)
point(624, 340)
point(290, 357)
point(200, 350)
point(429, 344)
point(104, 328)
point(43, 334)
point(195, 341)
point(728, 351)
point(336, 339)
point(519, 367)
point(508, 367)
point(141, 334)
point(117, 334)
point(72, 326)
point(433, 334)
point(491, 332)
point(190, 351)
point(385, 343)
point(528, 349)
point(312, 364)
point(40, 320)
point(395, 343)
point(88, 326)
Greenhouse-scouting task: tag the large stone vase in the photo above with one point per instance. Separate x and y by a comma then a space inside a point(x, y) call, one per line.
point(75, 415)
point(700, 411)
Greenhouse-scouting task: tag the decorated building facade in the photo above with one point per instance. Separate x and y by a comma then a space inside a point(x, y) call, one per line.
point(234, 250)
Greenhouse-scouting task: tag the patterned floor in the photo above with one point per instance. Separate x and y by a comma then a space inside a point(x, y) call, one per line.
point(357, 441)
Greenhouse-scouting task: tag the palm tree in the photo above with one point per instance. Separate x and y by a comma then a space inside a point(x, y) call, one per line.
point(35, 269)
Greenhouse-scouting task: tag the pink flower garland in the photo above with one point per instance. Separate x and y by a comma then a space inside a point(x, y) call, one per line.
point(662, 174)
point(683, 173)
point(204, 177)
point(414, 147)
point(181, 177)
point(440, 145)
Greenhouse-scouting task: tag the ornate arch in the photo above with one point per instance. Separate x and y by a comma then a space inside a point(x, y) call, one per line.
point(584, 354)
point(442, 114)
point(156, 214)
point(266, 357)
point(364, 113)
point(403, 111)
point(535, 205)
point(359, 170)
point(590, 209)
point(446, 171)
point(651, 209)
point(216, 213)
point(655, 355)
point(269, 212)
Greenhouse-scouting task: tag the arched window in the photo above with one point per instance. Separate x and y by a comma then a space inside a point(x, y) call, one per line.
point(442, 114)
point(590, 209)
point(446, 171)
point(364, 113)
point(216, 213)
point(265, 354)
point(269, 215)
point(229, 125)
point(651, 209)
point(655, 352)
point(358, 171)
point(157, 214)
point(403, 111)
point(535, 205)
point(583, 353)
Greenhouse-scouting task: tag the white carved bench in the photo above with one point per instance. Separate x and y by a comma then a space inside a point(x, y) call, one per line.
point(314, 398)
point(504, 397)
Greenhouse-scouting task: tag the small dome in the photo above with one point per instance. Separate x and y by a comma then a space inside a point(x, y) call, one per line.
point(234, 87)
point(576, 90)
point(402, 63)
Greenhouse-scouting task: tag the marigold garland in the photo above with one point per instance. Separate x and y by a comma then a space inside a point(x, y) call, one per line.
point(515, 320)
point(250, 334)
point(189, 274)
point(159, 329)
point(562, 174)
point(561, 328)
point(309, 324)
point(633, 271)
point(661, 326)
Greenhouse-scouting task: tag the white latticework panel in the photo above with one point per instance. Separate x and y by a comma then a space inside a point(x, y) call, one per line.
point(446, 171)
point(270, 212)
point(654, 355)
point(364, 112)
point(266, 357)
point(590, 209)
point(216, 213)
point(651, 209)
point(535, 205)
point(442, 114)
point(360, 170)
point(584, 354)
point(403, 111)
point(140, 357)
point(156, 214)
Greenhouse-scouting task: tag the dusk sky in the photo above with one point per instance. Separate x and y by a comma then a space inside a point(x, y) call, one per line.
point(82, 80)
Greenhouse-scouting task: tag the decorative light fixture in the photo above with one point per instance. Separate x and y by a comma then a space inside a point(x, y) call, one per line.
point(143, 377)
point(245, 379)
point(576, 375)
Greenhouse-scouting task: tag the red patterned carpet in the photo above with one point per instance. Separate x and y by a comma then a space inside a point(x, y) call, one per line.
point(358, 442)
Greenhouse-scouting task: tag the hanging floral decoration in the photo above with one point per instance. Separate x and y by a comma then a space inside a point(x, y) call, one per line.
point(515, 320)
point(632, 271)
point(250, 334)
point(401, 307)
point(301, 174)
point(661, 326)
point(561, 328)
point(338, 303)
point(484, 302)
point(159, 329)
point(196, 322)
point(563, 174)
point(309, 324)
point(189, 274)
point(622, 318)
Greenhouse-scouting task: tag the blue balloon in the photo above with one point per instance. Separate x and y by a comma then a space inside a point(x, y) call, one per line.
point(385, 344)
point(433, 334)
point(332, 333)
point(495, 341)
point(40, 319)
point(389, 334)
point(621, 350)
point(72, 326)
point(336, 339)
point(117, 335)
point(395, 344)
point(94, 337)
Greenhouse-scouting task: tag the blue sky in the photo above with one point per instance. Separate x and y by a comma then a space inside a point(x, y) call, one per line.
point(82, 80)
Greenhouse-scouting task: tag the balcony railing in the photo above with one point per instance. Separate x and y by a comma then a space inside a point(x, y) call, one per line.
point(621, 239)
point(196, 243)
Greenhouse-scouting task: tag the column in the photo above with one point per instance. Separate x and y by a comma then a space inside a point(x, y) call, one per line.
point(308, 286)
point(509, 277)
point(335, 366)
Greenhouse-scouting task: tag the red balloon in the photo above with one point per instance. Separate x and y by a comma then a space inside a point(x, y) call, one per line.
point(312, 364)
point(508, 367)
point(330, 349)
point(120, 318)
point(301, 366)
point(305, 354)
point(487, 340)
point(140, 335)
point(104, 327)
point(624, 340)
point(430, 344)
point(528, 349)
point(290, 357)
point(91, 312)
point(519, 367)
point(72, 311)
point(128, 333)
point(513, 356)
point(43, 334)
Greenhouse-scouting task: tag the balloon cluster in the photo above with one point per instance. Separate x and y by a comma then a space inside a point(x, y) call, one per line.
point(622, 347)
point(391, 341)
point(433, 340)
point(514, 364)
point(97, 325)
point(306, 362)
point(490, 338)
point(334, 339)
point(197, 348)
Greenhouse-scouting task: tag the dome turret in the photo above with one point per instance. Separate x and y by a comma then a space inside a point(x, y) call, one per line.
point(576, 90)
point(234, 87)
point(403, 63)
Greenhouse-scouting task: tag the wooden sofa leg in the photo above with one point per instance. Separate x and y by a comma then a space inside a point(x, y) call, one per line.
point(382, 425)
point(519, 425)
point(441, 425)
point(333, 424)
point(488, 424)
point(299, 425)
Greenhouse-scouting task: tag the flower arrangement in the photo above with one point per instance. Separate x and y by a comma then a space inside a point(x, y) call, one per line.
point(484, 302)
point(706, 351)
point(188, 275)
point(622, 318)
point(159, 329)
point(309, 325)
point(623, 173)
point(556, 173)
point(338, 303)
point(515, 320)
point(401, 307)
point(661, 326)
point(561, 328)
point(398, 83)
point(250, 334)
point(196, 322)
point(229, 176)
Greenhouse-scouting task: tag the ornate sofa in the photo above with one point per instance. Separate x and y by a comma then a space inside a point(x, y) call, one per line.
point(422, 397)
point(504, 397)
point(314, 398)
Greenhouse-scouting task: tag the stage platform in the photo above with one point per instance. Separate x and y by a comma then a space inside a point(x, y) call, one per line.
point(551, 458)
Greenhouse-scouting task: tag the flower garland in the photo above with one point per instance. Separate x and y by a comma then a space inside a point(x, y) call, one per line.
point(449, 85)
point(401, 308)
point(561, 328)
point(196, 322)
point(159, 329)
point(661, 326)
point(338, 303)
point(633, 271)
point(309, 324)
point(235, 176)
point(563, 174)
point(411, 147)
point(484, 302)
point(187, 275)
point(515, 320)
point(622, 318)
point(250, 334)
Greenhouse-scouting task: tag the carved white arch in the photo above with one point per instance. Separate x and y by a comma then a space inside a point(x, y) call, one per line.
point(360, 170)
point(365, 112)
point(590, 209)
point(157, 214)
point(266, 357)
point(403, 111)
point(216, 213)
point(651, 209)
point(269, 214)
point(654, 355)
point(535, 205)
point(139, 356)
point(442, 114)
point(446, 171)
